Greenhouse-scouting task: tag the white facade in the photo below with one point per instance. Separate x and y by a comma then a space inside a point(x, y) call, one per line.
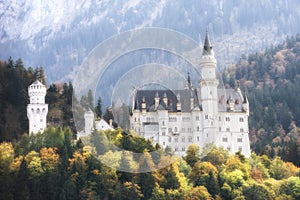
point(37, 109)
point(204, 115)
point(90, 124)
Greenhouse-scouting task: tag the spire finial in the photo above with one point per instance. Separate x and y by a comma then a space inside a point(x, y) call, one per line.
point(207, 48)
point(189, 80)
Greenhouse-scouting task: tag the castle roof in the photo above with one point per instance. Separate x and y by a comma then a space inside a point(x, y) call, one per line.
point(172, 96)
point(226, 95)
point(184, 97)
point(37, 82)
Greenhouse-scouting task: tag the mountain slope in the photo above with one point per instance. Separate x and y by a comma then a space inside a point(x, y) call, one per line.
point(58, 35)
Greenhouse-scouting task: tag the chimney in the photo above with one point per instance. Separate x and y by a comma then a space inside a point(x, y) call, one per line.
point(165, 99)
point(156, 100)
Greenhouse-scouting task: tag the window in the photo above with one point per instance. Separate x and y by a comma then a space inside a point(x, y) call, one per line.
point(198, 138)
point(197, 118)
point(241, 119)
point(189, 130)
point(225, 139)
point(240, 148)
point(220, 129)
point(172, 119)
point(227, 119)
point(227, 129)
point(182, 139)
point(198, 128)
point(176, 148)
point(163, 133)
point(206, 116)
point(164, 143)
point(175, 129)
point(183, 148)
point(170, 139)
point(220, 119)
point(163, 123)
point(240, 140)
point(190, 139)
point(135, 119)
point(241, 130)
point(228, 148)
point(41, 120)
point(170, 130)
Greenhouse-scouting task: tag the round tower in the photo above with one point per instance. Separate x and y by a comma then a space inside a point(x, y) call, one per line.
point(209, 90)
point(37, 109)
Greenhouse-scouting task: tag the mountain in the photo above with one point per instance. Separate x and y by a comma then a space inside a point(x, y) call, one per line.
point(58, 35)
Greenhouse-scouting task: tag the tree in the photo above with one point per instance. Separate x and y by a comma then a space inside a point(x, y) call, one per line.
point(171, 180)
point(130, 191)
point(204, 173)
point(198, 193)
point(98, 108)
point(257, 191)
point(192, 154)
point(158, 193)
point(278, 169)
point(6, 159)
point(291, 186)
point(90, 99)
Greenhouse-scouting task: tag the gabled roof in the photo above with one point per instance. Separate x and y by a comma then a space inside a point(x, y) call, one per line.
point(172, 96)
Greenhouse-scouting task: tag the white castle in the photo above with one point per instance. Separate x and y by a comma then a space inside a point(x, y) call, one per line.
point(204, 115)
point(37, 109)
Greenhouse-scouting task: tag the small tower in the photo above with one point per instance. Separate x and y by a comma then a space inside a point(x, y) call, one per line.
point(37, 109)
point(88, 122)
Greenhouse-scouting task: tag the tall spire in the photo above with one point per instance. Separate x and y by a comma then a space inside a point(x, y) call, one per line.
point(207, 48)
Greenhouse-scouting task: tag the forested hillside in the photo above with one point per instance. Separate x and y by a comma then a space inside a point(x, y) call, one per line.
point(271, 80)
point(51, 166)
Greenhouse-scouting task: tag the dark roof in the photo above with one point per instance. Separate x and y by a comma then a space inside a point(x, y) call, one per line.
point(207, 48)
point(149, 95)
point(226, 95)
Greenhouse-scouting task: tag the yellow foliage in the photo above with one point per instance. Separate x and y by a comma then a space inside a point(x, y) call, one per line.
point(30, 156)
point(49, 157)
point(15, 165)
point(292, 169)
point(6, 152)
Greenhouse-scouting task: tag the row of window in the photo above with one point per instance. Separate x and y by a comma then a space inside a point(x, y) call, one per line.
point(176, 139)
point(225, 139)
point(189, 130)
point(228, 129)
point(187, 119)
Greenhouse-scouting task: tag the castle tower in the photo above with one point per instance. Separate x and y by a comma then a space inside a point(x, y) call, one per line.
point(208, 90)
point(37, 109)
point(88, 122)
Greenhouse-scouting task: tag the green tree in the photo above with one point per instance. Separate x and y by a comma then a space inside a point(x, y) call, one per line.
point(257, 191)
point(278, 169)
point(198, 193)
point(192, 154)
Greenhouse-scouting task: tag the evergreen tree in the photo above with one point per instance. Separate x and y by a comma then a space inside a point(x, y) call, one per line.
point(98, 108)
